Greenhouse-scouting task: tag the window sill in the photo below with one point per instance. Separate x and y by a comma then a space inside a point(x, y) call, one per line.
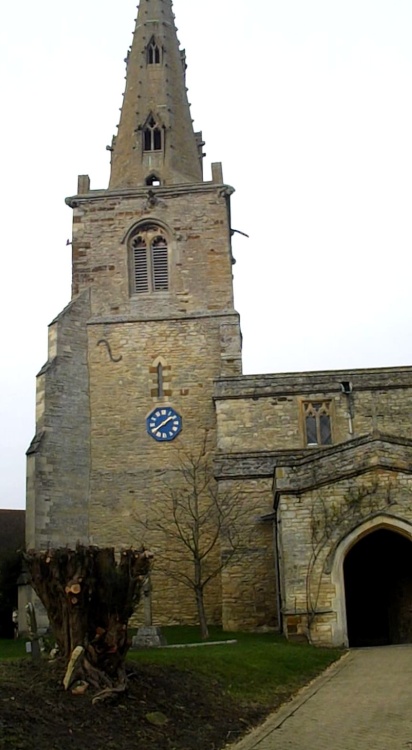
point(150, 295)
point(318, 445)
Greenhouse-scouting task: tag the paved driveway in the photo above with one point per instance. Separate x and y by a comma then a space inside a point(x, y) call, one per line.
point(362, 703)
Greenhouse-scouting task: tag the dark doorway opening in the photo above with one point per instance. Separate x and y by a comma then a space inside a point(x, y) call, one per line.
point(378, 588)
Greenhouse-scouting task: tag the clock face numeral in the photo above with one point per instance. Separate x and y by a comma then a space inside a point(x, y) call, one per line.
point(164, 424)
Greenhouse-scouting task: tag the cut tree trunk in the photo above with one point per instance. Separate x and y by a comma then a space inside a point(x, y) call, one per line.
point(89, 596)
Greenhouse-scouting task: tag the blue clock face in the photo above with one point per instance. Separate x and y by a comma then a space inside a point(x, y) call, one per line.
point(164, 424)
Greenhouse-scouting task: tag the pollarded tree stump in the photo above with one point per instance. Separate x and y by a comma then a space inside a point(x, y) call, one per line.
point(89, 596)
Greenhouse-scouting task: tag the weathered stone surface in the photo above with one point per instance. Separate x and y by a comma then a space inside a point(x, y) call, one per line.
point(264, 412)
point(148, 636)
point(155, 88)
point(354, 458)
point(58, 465)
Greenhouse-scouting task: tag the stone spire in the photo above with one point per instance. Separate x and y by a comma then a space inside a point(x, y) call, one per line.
point(155, 142)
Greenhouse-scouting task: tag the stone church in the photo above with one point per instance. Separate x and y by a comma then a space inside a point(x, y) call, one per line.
point(147, 357)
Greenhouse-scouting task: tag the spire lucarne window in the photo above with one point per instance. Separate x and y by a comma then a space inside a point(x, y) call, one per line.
point(152, 136)
point(154, 53)
point(149, 260)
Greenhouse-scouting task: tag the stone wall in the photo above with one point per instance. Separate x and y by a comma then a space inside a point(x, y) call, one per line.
point(59, 457)
point(249, 582)
point(196, 222)
point(264, 412)
point(130, 470)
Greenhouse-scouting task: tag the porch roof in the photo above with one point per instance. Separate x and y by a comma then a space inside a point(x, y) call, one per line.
point(338, 462)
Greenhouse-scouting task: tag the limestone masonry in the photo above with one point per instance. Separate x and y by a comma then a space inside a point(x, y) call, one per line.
point(145, 361)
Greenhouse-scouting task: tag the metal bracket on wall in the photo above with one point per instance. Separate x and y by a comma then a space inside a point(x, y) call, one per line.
point(109, 350)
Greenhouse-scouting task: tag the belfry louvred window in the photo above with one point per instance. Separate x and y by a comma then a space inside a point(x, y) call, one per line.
point(152, 136)
point(149, 261)
point(160, 266)
point(141, 277)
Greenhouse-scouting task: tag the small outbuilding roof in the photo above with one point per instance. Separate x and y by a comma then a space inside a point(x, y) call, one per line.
point(12, 525)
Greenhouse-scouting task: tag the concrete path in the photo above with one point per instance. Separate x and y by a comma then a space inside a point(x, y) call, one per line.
point(362, 703)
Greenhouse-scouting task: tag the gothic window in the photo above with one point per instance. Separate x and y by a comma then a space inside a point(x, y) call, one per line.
point(318, 427)
point(153, 136)
point(160, 381)
point(149, 260)
point(154, 53)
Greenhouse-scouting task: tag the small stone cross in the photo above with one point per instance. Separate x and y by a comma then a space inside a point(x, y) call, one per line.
point(147, 603)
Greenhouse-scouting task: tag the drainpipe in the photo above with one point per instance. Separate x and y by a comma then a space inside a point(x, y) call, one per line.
point(277, 556)
point(347, 389)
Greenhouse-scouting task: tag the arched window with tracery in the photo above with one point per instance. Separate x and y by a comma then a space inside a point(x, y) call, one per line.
point(149, 256)
point(318, 425)
point(152, 136)
point(160, 379)
point(153, 53)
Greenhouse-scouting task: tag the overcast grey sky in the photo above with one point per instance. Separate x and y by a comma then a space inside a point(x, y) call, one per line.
point(308, 105)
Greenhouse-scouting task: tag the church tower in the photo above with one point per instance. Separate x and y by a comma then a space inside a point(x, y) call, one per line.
point(151, 324)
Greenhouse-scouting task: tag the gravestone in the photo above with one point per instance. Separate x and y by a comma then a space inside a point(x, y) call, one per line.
point(148, 636)
point(35, 640)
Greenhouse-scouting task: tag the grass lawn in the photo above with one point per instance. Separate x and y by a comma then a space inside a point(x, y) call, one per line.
point(258, 668)
point(10, 649)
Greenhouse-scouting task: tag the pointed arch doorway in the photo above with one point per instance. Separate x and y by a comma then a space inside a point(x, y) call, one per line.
point(377, 573)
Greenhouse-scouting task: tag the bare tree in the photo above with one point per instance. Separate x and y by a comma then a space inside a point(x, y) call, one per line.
point(203, 528)
point(89, 594)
